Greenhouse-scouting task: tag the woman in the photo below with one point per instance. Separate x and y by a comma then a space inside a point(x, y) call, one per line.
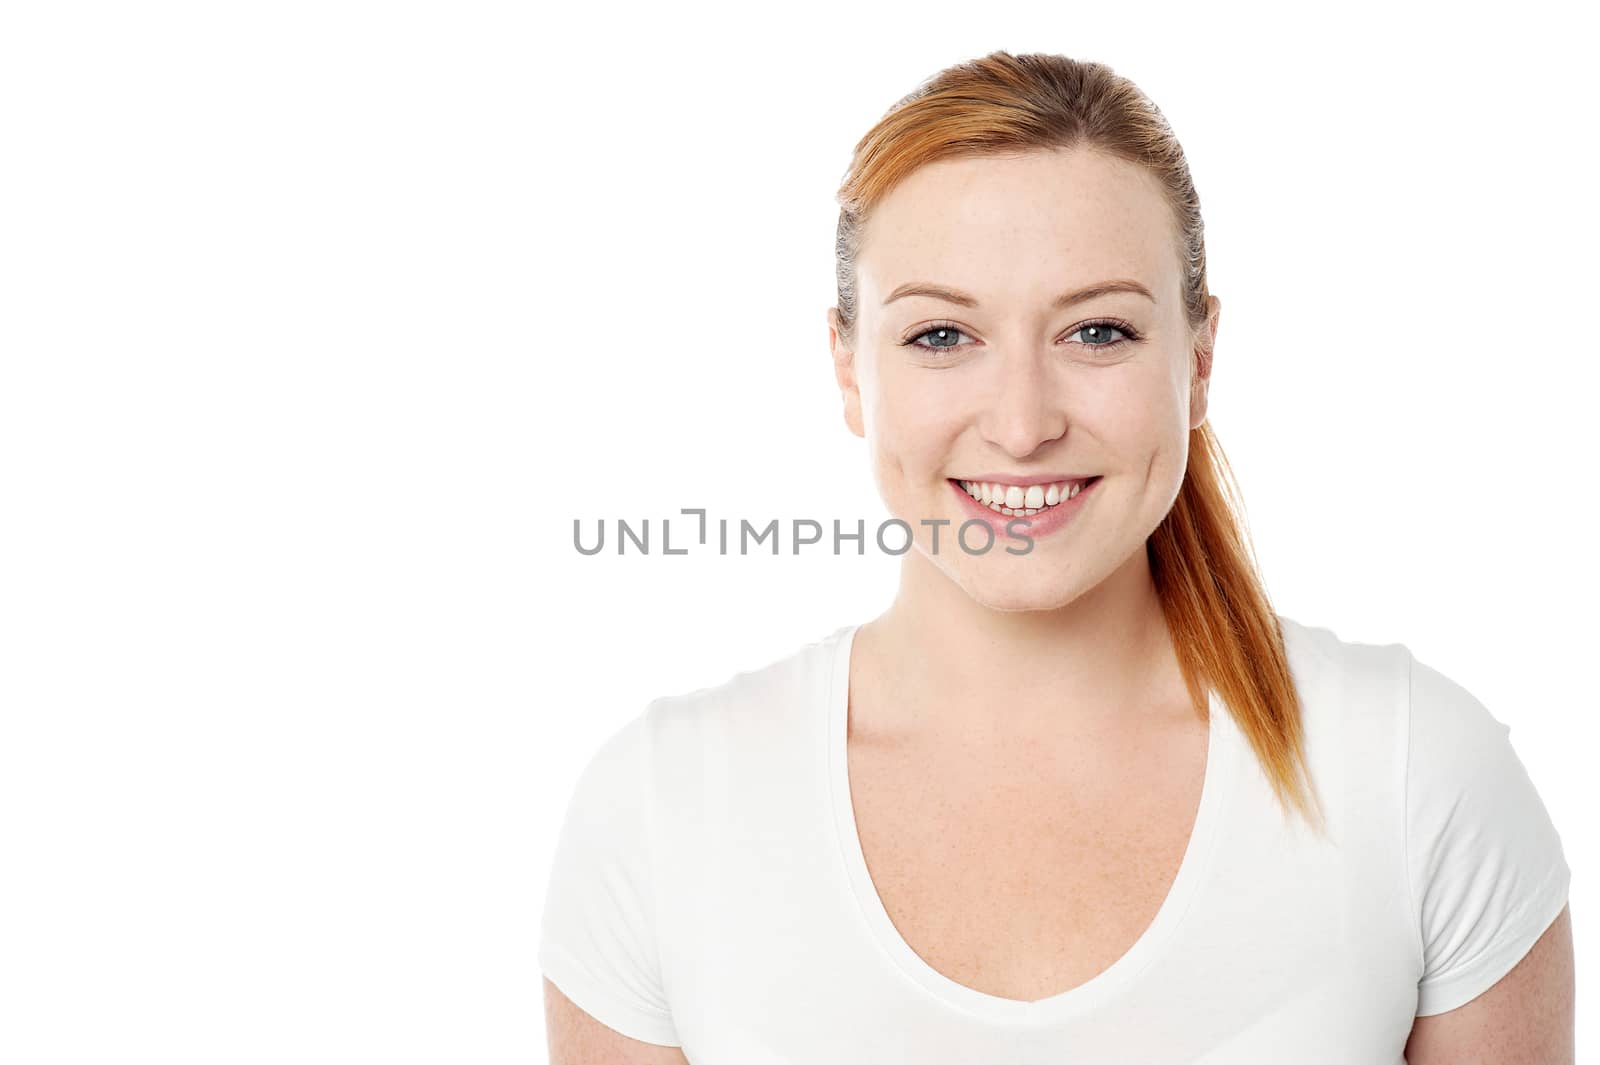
point(1085, 799)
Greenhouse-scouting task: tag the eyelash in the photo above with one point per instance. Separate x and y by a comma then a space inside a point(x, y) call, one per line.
point(1129, 335)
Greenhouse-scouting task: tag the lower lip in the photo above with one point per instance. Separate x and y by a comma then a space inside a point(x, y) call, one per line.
point(1034, 526)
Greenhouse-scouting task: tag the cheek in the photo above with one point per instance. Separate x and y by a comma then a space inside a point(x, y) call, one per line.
point(915, 417)
point(1145, 409)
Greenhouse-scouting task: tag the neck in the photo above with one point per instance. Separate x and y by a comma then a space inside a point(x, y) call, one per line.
point(961, 670)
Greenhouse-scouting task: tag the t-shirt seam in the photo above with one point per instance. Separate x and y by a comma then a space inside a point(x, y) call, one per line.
point(1414, 911)
point(647, 786)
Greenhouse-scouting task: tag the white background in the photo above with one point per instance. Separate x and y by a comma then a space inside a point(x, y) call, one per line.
point(323, 321)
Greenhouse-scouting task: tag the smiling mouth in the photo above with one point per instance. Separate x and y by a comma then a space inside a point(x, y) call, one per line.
point(1023, 501)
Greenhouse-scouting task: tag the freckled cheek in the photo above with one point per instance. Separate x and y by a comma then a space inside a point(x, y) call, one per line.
point(1142, 413)
point(916, 427)
point(1164, 443)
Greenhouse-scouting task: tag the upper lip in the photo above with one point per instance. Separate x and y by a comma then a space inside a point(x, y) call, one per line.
point(1024, 480)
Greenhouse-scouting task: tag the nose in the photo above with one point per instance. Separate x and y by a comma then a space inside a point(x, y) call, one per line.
point(1023, 412)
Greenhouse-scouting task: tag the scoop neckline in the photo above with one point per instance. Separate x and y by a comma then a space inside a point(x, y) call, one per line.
point(1203, 836)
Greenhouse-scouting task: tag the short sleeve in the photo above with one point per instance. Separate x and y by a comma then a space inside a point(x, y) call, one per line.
point(1486, 867)
point(597, 939)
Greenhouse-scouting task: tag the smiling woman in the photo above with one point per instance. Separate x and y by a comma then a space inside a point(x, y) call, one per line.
point(1092, 801)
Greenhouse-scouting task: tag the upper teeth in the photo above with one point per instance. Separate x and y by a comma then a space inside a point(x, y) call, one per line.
point(1016, 500)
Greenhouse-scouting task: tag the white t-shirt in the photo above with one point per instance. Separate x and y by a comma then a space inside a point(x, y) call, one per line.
point(709, 891)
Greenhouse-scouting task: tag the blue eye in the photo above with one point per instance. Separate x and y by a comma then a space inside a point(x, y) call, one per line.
point(947, 332)
point(943, 330)
point(1100, 329)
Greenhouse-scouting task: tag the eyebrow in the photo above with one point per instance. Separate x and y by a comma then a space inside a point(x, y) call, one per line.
point(1066, 299)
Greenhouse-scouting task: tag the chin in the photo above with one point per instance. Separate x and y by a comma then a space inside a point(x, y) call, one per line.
point(1020, 600)
point(1016, 589)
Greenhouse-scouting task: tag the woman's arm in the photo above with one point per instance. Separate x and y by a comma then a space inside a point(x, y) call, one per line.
point(1524, 1019)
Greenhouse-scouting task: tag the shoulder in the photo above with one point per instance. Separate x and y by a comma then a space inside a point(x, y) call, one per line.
point(1449, 728)
point(674, 736)
point(1449, 741)
point(1462, 771)
point(1345, 679)
point(1482, 864)
point(1444, 733)
point(670, 744)
point(773, 695)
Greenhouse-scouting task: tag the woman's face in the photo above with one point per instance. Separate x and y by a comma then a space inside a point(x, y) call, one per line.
point(1001, 384)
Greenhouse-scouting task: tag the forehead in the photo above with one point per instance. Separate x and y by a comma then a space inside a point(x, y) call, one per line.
point(1014, 226)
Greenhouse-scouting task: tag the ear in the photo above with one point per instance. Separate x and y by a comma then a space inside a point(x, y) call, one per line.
point(844, 372)
point(1205, 351)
